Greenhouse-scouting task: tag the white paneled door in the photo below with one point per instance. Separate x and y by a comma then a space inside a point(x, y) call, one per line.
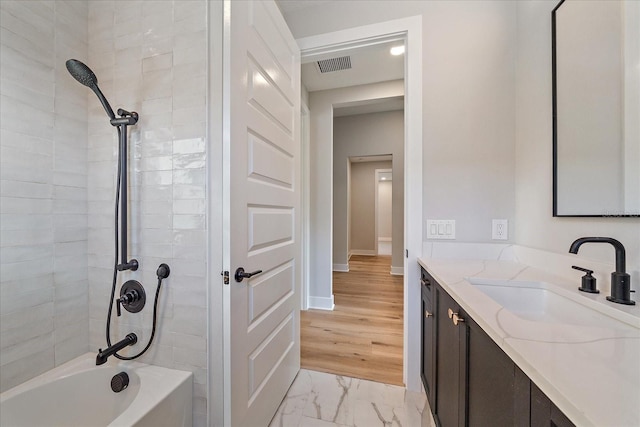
point(262, 188)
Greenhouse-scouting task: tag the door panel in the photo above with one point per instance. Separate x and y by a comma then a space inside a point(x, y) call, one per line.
point(261, 139)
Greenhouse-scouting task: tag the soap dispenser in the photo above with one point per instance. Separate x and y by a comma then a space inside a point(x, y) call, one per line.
point(588, 281)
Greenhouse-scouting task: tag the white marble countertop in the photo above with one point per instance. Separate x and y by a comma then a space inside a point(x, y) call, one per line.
point(591, 373)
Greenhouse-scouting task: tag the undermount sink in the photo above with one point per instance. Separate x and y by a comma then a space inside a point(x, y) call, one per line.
point(534, 301)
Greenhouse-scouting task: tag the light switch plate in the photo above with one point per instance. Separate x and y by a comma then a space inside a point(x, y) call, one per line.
point(500, 229)
point(441, 229)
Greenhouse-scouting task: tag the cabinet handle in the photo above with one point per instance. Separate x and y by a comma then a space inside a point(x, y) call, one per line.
point(427, 314)
point(454, 316)
point(425, 282)
point(457, 319)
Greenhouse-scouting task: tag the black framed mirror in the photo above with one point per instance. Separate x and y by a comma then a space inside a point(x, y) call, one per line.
point(596, 108)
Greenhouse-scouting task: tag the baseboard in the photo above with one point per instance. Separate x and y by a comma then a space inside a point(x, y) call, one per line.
point(366, 252)
point(343, 268)
point(397, 271)
point(384, 239)
point(321, 303)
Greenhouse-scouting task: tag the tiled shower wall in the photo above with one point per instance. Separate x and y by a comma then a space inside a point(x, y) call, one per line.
point(58, 181)
point(43, 171)
point(151, 57)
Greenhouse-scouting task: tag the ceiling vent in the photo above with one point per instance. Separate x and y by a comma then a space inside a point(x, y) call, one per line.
point(334, 64)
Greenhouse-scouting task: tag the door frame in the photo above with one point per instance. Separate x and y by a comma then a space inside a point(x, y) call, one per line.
point(409, 29)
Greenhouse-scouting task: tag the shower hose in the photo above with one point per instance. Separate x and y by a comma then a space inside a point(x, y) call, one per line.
point(115, 276)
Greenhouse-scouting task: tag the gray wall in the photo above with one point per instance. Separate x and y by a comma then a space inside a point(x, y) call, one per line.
point(367, 135)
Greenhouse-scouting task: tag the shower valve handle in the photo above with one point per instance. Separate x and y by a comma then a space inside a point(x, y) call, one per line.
point(132, 297)
point(126, 299)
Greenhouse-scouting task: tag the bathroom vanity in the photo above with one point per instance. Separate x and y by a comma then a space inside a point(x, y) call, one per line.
point(501, 345)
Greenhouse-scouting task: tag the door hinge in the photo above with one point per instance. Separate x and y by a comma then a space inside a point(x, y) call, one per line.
point(406, 253)
point(225, 277)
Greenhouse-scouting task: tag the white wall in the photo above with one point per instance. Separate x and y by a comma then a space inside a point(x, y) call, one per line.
point(321, 157)
point(43, 208)
point(535, 227)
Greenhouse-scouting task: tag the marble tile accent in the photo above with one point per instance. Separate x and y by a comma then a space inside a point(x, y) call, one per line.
point(323, 400)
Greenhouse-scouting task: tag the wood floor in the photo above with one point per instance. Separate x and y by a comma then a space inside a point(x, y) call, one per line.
point(362, 337)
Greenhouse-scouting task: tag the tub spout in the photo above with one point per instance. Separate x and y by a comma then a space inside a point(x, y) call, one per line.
point(103, 355)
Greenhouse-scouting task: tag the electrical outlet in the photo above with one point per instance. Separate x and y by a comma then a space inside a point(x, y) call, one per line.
point(500, 229)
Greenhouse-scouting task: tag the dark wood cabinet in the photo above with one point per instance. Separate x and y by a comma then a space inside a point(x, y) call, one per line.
point(544, 413)
point(428, 348)
point(492, 382)
point(450, 362)
point(469, 379)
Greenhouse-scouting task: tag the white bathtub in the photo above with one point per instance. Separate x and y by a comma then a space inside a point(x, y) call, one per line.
point(79, 393)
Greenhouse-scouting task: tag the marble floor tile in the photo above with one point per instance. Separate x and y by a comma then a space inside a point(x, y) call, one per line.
point(317, 399)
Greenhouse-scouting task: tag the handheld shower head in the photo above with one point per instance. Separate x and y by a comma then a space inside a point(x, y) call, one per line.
point(84, 75)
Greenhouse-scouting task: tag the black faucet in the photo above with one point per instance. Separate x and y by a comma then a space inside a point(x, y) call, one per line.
point(620, 280)
point(103, 355)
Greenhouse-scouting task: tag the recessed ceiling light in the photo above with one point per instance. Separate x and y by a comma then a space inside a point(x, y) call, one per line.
point(397, 50)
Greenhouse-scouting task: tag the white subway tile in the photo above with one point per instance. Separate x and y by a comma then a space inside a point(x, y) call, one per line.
point(157, 46)
point(26, 237)
point(32, 190)
point(157, 26)
point(186, 191)
point(24, 332)
point(42, 313)
point(27, 367)
point(157, 62)
point(26, 348)
point(188, 222)
point(191, 206)
point(11, 254)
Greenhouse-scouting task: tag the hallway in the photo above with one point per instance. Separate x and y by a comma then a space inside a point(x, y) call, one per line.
point(363, 336)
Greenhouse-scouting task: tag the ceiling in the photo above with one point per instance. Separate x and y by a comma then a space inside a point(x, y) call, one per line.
point(369, 64)
point(289, 6)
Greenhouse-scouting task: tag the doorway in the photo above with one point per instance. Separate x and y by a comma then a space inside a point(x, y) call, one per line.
point(320, 249)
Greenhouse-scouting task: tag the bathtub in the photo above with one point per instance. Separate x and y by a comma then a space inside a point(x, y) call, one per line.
point(79, 393)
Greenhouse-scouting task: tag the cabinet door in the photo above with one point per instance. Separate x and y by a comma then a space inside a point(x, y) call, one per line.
point(450, 363)
point(428, 348)
point(544, 413)
point(491, 381)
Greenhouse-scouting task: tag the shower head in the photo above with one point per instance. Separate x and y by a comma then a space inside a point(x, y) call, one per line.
point(84, 75)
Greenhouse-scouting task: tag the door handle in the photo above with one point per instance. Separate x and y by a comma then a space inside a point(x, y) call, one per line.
point(240, 274)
